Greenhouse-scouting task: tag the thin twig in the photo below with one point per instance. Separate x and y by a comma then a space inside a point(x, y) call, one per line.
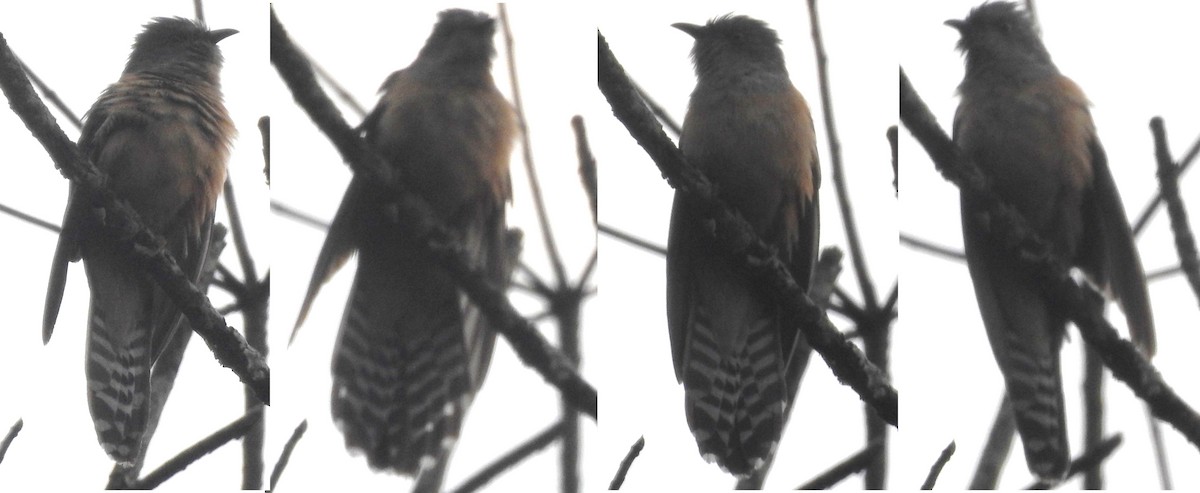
point(286, 455)
point(8, 439)
point(587, 164)
point(588, 270)
point(1148, 211)
point(264, 129)
point(893, 137)
point(249, 274)
point(1160, 452)
point(199, 7)
point(334, 85)
point(936, 470)
point(507, 461)
point(535, 187)
point(659, 112)
point(1163, 273)
point(300, 217)
point(835, 157)
point(632, 240)
point(995, 450)
point(1185, 242)
point(51, 96)
point(175, 465)
point(626, 463)
point(47, 225)
point(1093, 412)
point(843, 469)
point(930, 247)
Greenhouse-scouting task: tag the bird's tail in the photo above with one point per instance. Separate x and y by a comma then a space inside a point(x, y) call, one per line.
point(735, 400)
point(400, 371)
point(118, 356)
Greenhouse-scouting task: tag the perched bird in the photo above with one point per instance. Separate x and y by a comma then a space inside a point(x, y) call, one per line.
point(162, 135)
point(749, 130)
point(412, 349)
point(1029, 130)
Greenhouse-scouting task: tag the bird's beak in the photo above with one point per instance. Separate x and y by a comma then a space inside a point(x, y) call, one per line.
point(691, 29)
point(220, 34)
point(956, 24)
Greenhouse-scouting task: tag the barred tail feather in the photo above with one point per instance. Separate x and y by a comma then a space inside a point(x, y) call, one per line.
point(735, 397)
point(400, 371)
point(118, 383)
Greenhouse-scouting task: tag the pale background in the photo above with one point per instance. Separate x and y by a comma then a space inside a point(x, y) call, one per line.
point(1133, 59)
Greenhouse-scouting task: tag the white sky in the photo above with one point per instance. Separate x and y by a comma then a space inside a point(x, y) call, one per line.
point(624, 335)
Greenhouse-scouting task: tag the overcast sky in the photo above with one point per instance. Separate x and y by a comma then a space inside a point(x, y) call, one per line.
point(1133, 59)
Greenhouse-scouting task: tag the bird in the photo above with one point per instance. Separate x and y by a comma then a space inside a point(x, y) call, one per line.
point(412, 350)
point(1029, 129)
point(750, 132)
point(162, 136)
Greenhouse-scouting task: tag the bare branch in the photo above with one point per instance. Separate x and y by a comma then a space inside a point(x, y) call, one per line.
point(286, 455)
point(1185, 242)
point(535, 186)
point(507, 461)
point(843, 469)
point(1148, 211)
point(632, 240)
point(936, 470)
point(8, 439)
point(587, 164)
point(626, 463)
point(995, 450)
point(835, 158)
point(47, 225)
point(176, 464)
